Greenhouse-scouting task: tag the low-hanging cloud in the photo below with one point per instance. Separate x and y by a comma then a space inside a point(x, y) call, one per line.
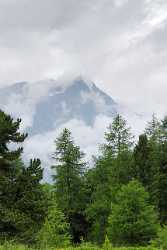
point(120, 44)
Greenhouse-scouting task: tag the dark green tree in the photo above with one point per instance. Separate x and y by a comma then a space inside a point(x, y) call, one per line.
point(163, 172)
point(30, 200)
point(147, 166)
point(99, 202)
point(10, 166)
point(68, 179)
point(22, 205)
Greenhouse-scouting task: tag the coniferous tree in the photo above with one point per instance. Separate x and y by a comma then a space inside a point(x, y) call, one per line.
point(68, 179)
point(99, 202)
point(112, 169)
point(153, 129)
point(147, 166)
point(9, 167)
point(118, 137)
point(133, 220)
point(21, 196)
point(30, 200)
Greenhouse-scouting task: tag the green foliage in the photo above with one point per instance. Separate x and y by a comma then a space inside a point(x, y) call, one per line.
point(107, 244)
point(147, 166)
point(115, 197)
point(55, 231)
point(22, 203)
point(112, 169)
point(85, 246)
point(69, 183)
point(133, 220)
point(161, 240)
point(118, 137)
point(9, 132)
point(99, 205)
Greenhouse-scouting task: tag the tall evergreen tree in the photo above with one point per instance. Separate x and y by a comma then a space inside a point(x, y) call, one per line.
point(68, 178)
point(9, 167)
point(21, 196)
point(112, 169)
point(118, 146)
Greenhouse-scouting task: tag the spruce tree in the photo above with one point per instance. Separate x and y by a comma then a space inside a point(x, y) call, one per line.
point(112, 169)
point(153, 129)
point(118, 137)
point(118, 148)
point(68, 179)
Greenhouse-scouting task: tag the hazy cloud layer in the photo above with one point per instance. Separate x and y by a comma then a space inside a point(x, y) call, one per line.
point(120, 44)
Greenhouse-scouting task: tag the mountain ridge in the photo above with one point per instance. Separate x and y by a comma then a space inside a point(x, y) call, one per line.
point(52, 103)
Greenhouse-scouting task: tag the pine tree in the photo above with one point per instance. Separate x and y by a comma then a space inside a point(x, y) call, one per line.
point(112, 169)
point(69, 168)
point(153, 129)
point(9, 133)
point(133, 220)
point(10, 166)
point(118, 147)
point(118, 137)
point(22, 204)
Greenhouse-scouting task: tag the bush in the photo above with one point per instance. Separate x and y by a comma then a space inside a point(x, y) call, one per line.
point(133, 220)
point(54, 232)
point(161, 241)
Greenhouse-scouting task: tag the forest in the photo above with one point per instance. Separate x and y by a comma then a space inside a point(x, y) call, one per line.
point(119, 201)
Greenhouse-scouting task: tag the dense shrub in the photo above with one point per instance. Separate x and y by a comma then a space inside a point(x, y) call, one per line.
point(133, 220)
point(161, 241)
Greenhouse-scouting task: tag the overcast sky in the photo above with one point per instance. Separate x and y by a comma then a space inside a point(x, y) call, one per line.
point(119, 44)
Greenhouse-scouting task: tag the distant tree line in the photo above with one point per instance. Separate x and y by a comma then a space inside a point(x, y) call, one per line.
point(122, 197)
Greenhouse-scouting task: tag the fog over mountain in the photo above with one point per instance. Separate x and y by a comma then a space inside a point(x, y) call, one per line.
point(47, 106)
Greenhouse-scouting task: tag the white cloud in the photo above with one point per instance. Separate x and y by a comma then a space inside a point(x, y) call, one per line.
point(88, 138)
point(118, 44)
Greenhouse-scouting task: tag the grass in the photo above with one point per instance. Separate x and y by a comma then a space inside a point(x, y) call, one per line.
point(10, 246)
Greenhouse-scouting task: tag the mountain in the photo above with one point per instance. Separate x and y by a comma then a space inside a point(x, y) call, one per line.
point(45, 105)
